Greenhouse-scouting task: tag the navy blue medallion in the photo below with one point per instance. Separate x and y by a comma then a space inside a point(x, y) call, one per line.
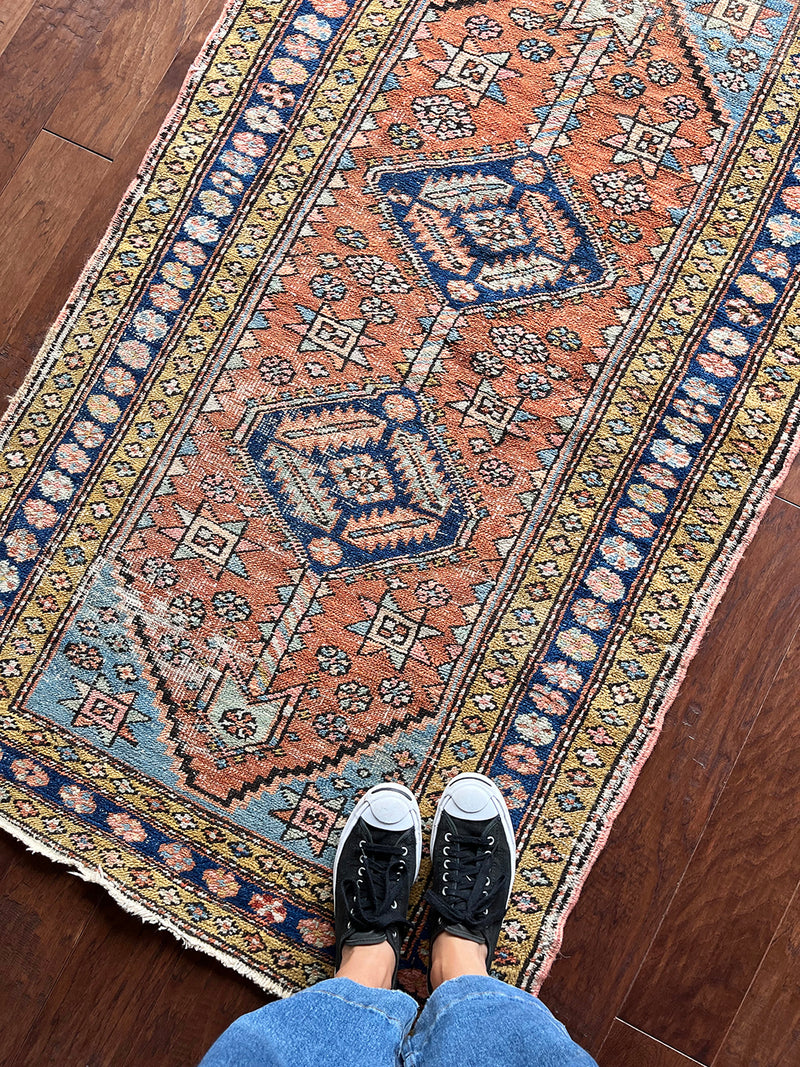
point(494, 230)
point(358, 480)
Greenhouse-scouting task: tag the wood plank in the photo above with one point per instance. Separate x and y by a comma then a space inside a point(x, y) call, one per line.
point(37, 65)
point(790, 490)
point(766, 1030)
point(110, 989)
point(199, 989)
point(43, 913)
point(735, 890)
point(8, 855)
point(101, 104)
point(12, 13)
point(26, 316)
point(38, 209)
point(70, 1000)
point(628, 1047)
point(630, 887)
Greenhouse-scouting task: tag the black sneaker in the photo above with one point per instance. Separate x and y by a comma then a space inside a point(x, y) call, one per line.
point(377, 862)
point(473, 855)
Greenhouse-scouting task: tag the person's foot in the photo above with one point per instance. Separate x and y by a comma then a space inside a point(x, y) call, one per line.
point(377, 862)
point(473, 855)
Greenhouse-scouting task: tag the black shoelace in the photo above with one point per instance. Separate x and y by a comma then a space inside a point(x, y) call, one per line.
point(373, 894)
point(468, 895)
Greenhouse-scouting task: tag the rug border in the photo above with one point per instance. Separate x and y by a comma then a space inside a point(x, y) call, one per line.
point(47, 352)
point(717, 591)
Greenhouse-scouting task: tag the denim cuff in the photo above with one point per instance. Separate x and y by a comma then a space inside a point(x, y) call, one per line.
point(393, 1003)
point(467, 985)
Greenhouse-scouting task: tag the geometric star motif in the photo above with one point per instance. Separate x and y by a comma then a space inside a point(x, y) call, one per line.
point(108, 713)
point(216, 543)
point(742, 19)
point(310, 818)
point(400, 634)
point(341, 338)
point(646, 142)
point(475, 72)
point(485, 407)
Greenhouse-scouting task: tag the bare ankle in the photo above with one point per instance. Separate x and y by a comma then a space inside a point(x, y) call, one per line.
point(369, 965)
point(452, 957)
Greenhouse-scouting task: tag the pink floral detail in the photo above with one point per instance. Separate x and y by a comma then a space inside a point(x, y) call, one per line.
point(176, 856)
point(268, 907)
point(222, 883)
point(316, 932)
point(25, 770)
point(77, 799)
point(127, 828)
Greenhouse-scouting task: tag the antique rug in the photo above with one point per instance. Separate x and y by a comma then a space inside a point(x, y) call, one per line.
point(410, 419)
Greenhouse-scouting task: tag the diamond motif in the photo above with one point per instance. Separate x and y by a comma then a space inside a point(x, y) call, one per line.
point(348, 507)
point(494, 230)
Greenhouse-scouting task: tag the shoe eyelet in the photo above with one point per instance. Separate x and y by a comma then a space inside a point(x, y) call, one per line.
point(447, 836)
point(488, 881)
point(405, 850)
point(445, 851)
point(394, 905)
point(491, 840)
point(446, 864)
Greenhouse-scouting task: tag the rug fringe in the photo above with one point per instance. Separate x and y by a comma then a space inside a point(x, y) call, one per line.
point(96, 876)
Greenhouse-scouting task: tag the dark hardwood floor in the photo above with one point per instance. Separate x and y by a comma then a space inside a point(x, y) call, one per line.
point(685, 943)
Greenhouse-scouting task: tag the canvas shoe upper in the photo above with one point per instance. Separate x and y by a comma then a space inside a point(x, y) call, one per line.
point(377, 862)
point(473, 856)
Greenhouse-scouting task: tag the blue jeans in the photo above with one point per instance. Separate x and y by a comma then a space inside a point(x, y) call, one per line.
point(468, 1020)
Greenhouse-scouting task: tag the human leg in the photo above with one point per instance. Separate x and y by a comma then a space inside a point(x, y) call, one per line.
point(471, 1018)
point(356, 1018)
point(481, 1021)
point(335, 1022)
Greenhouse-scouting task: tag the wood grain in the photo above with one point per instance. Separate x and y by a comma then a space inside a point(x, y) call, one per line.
point(635, 877)
point(105, 993)
point(627, 1047)
point(735, 890)
point(29, 311)
point(199, 989)
point(38, 209)
point(12, 13)
point(9, 850)
point(43, 914)
point(766, 1030)
point(43, 56)
point(136, 49)
point(790, 490)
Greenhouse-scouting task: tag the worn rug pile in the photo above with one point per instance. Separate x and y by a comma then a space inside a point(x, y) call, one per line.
point(411, 418)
